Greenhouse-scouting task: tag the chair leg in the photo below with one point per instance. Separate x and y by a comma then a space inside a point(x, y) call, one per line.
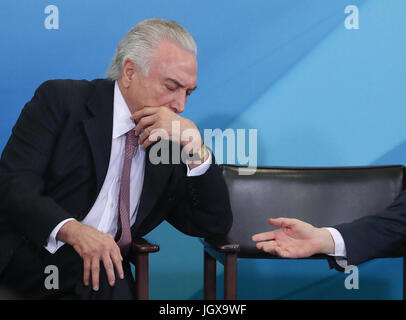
point(230, 277)
point(209, 277)
point(142, 276)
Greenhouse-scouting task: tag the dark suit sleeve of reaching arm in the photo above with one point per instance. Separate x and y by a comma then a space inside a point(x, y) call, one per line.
point(332, 262)
point(23, 164)
point(376, 236)
point(202, 204)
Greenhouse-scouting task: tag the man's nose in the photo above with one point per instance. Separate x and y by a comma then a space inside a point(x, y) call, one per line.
point(178, 104)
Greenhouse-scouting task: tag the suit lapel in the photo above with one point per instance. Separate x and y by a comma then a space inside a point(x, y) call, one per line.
point(99, 128)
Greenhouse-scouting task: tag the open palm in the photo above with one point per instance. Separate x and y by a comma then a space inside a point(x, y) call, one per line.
point(294, 239)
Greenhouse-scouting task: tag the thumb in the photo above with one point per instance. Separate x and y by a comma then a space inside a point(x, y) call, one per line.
point(281, 222)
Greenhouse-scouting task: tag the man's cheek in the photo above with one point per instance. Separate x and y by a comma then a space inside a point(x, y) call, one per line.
point(164, 99)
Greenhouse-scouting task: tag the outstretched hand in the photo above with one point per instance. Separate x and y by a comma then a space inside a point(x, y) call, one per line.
point(294, 239)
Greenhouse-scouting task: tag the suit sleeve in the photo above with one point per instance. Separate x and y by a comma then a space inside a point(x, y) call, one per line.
point(376, 236)
point(24, 163)
point(202, 204)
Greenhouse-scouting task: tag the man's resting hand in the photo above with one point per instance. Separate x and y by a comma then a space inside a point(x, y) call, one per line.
point(93, 246)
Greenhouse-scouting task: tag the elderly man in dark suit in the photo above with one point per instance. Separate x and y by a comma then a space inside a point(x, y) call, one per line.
point(80, 175)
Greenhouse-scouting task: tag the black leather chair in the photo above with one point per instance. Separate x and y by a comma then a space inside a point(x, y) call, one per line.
point(321, 196)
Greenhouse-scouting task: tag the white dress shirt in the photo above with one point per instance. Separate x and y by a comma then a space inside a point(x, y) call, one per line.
point(340, 252)
point(104, 213)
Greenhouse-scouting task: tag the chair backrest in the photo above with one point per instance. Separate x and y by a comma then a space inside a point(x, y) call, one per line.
point(321, 196)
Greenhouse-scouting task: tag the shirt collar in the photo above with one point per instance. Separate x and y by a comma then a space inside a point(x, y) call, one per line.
point(121, 114)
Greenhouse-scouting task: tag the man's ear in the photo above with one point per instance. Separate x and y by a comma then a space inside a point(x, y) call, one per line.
point(129, 72)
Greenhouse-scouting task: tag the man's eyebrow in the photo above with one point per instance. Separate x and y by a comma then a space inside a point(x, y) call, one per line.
point(180, 84)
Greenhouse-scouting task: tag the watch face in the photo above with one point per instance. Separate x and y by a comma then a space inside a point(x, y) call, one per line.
point(204, 152)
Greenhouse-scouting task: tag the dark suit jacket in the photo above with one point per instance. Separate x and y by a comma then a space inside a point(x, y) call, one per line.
point(57, 157)
point(376, 236)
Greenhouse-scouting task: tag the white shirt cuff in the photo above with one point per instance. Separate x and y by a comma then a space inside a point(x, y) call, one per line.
point(201, 169)
point(53, 245)
point(340, 253)
point(339, 245)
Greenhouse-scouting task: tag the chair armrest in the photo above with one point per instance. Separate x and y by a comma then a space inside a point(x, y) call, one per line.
point(139, 257)
point(222, 244)
point(141, 245)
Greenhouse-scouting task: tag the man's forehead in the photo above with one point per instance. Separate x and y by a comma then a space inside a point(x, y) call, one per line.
point(173, 54)
point(173, 63)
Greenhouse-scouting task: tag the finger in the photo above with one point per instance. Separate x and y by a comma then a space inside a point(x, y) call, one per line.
point(86, 271)
point(267, 246)
point(284, 253)
point(282, 222)
point(145, 134)
point(150, 140)
point(150, 135)
point(145, 111)
point(108, 266)
point(270, 235)
point(157, 134)
point(117, 261)
point(146, 144)
point(145, 122)
point(272, 247)
point(95, 273)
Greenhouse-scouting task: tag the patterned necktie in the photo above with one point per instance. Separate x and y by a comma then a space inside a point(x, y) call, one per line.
point(124, 240)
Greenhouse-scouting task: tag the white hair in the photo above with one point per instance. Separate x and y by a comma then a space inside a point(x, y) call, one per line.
point(140, 42)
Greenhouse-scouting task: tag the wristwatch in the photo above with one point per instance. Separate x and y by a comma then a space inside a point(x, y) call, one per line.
point(203, 152)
